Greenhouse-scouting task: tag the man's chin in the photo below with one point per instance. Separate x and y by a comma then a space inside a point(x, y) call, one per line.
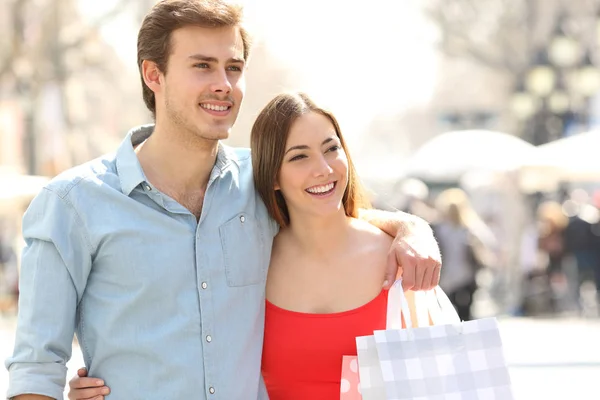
point(215, 134)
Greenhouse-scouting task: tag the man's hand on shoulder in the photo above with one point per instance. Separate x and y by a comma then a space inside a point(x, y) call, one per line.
point(415, 256)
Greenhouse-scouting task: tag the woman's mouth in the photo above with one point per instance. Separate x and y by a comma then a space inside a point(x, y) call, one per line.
point(322, 190)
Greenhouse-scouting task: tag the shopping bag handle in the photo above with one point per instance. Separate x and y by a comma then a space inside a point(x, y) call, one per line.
point(432, 303)
point(439, 307)
point(397, 306)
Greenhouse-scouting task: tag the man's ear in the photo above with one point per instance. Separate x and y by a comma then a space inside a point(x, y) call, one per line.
point(151, 75)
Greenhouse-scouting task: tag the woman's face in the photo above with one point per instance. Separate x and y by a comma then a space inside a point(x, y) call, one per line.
point(314, 172)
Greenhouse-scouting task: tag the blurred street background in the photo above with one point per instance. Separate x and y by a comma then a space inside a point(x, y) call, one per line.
point(481, 116)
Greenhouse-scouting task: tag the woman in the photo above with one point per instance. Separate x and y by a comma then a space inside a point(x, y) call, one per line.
point(324, 281)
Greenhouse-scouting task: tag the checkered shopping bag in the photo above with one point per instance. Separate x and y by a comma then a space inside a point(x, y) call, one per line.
point(449, 360)
point(372, 385)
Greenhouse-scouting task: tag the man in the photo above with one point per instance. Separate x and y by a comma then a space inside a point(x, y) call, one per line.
point(157, 255)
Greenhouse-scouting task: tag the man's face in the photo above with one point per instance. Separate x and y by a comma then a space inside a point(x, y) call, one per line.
point(204, 85)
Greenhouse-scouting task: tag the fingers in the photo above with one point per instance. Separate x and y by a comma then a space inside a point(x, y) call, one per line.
point(80, 383)
point(417, 261)
point(427, 277)
point(409, 275)
point(391, 270)
point(82, 387)
point(89, 393)
point(419, 273)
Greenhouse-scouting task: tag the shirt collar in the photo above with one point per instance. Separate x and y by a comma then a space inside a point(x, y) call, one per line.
point(129, 168)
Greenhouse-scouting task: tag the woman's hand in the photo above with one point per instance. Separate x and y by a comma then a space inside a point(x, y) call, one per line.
point(81, 387)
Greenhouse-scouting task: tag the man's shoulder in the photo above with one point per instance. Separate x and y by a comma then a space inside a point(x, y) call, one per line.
point(101, 170)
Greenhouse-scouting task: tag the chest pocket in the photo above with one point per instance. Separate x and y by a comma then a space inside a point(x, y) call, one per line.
point(243, 251)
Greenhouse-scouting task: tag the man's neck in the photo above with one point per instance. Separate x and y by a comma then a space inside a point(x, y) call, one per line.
point(177, 161)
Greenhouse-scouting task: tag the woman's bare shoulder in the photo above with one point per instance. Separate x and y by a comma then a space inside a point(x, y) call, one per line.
point(368, 233)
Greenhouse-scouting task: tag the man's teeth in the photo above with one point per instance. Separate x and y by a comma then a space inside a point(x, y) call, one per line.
point(214, 108)
point(320, 189)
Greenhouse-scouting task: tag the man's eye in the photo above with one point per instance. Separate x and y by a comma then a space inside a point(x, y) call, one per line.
point(201, 65)
point(234, 68)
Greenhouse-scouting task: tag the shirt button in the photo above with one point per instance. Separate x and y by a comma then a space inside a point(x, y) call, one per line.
point(148, 188)
point(242, 219)
point(204, 285)
point(211, 390)
point(209, 338)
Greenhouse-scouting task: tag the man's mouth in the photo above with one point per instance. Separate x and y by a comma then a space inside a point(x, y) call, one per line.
point(322, 190)
point(214, 107)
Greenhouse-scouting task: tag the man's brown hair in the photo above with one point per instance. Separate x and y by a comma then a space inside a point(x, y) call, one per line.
point(154, 38)
point(267, 140)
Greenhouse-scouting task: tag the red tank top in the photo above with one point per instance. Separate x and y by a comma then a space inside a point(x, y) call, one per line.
point(302, 353)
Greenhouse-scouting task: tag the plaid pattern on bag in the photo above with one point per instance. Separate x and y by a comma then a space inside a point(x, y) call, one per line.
point(462, 361)
point(372, 385)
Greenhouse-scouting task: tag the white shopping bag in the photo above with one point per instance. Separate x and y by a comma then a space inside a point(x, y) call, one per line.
point(372, 385)
point(449, 360)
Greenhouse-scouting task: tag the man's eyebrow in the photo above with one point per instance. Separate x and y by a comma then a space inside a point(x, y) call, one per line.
point(201, 57)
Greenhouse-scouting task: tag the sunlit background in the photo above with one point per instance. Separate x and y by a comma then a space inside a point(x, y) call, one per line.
point(496, 97)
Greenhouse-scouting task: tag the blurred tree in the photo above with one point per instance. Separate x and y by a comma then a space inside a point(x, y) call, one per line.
point(503, 34)
point(546, 46)
point(51, 57)
point(44, 46)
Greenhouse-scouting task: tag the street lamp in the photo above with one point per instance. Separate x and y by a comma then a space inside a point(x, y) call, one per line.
point(558, 101)
point(588, 78)
point(556, 89)
point(523, 104)
point(563, 51)
point(541, 78)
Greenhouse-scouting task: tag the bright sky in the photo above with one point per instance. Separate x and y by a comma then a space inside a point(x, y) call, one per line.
point(361, 58)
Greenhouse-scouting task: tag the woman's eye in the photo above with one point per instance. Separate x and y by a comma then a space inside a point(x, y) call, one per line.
point(298, 157)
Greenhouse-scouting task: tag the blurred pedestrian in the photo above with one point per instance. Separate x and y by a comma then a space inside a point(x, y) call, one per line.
point(464, 242)
point(552, 222)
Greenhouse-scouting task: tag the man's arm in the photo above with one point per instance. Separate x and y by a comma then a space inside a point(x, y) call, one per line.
point(55, 265)
point(394, 223)
point(414, 255)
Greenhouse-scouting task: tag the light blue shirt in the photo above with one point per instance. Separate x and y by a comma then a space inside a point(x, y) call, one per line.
point(163, 307)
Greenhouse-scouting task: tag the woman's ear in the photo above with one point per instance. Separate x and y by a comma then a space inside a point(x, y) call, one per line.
point(276, 186)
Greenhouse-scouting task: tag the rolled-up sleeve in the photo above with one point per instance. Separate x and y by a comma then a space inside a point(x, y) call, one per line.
point(54, 269)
